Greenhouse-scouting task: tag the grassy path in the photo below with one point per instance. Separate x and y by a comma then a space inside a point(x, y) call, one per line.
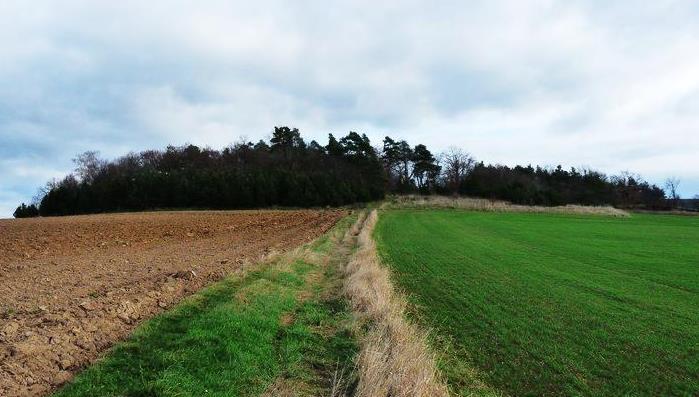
point(281, 330)
point(554, 305)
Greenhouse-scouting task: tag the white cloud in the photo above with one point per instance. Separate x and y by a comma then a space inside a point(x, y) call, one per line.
point(610, 86)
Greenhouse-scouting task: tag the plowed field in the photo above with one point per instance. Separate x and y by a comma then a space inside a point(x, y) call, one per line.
point(72, 286)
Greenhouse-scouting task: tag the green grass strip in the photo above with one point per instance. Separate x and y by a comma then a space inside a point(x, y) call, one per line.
point(282, 327)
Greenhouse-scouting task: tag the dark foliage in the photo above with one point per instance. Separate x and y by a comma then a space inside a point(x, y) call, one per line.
point(416, 170)
point(539, 186)
point(409, 169)
point(26, 211)
point(289, 172)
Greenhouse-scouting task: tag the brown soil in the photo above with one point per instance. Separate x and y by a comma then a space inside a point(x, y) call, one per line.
point(72, 286)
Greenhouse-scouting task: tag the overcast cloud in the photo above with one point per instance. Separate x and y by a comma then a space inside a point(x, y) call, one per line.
point(581, 83)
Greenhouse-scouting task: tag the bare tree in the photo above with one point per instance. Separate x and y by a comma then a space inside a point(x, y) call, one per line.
point(457, 165)
point(671, 186)
point(43, 191)
point(88, 165)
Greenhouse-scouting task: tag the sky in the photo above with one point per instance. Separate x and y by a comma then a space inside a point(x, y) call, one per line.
point(612, 86)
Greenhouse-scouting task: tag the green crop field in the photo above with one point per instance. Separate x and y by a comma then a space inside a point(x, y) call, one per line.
point(536, 304)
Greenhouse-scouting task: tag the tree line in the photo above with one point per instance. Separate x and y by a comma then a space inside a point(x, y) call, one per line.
point(455, 172)
point(287, 171)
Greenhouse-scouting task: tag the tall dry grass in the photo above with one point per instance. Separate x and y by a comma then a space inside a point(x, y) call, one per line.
point(394, 358)
point(476, 204)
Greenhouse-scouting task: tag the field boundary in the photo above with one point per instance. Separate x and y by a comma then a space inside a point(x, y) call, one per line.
point(285, 314)
point(485, 205)
point(394, 357)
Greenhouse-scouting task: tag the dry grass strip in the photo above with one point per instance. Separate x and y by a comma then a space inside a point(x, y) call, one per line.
point(394, 359)
point(476, 204)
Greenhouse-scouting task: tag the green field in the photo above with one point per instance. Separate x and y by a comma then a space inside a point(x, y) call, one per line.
point(538, 304)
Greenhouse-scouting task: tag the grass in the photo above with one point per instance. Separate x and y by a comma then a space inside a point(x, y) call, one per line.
point(394, 359)
point(277, 330)
point(542, 304)
point(488, 205)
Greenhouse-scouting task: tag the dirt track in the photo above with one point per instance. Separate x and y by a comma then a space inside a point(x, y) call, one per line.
point(70, 287)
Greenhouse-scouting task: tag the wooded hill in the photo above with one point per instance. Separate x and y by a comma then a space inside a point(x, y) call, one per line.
point(287, 171)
